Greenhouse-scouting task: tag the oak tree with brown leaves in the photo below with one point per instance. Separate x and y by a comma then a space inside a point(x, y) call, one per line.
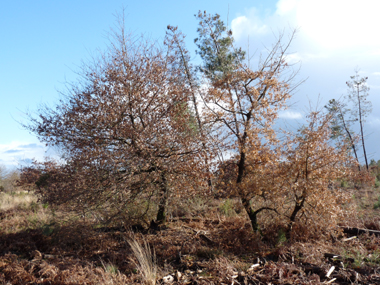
point(126, 131)
point(311, 162)
point(243, 103)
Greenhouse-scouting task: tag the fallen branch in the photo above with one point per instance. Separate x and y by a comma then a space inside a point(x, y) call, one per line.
point(357, 231)
point(185, 219)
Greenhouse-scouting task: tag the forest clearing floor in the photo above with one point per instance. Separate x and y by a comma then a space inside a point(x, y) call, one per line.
point(36, 249)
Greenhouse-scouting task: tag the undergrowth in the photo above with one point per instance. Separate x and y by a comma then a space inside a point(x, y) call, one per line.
point(41, 245)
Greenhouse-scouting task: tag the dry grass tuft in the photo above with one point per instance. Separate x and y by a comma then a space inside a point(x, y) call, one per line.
point(146, 260)
point(16, 271)
point(16, 200)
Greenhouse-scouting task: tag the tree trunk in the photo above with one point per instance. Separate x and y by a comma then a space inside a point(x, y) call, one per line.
point(297, 208)
point(241, 168)
point(246, 202)
point(251, 214)
point(350, 138)
point(195, 103)
point(163, 203)
point(361, 129)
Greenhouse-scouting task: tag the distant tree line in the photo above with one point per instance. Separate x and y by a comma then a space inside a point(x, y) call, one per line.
point(8, 179)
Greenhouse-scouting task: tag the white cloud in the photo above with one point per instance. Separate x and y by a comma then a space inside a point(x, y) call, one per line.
point(16, 152)
point(290, 115)
point(293, 58)
point(326, 24)
point(334, 37)
point(299, 57)
point(285, 6)
point(248, 25)
point(339, 23)
point(375, 52)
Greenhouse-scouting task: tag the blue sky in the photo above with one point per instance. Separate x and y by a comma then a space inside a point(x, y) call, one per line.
point(44, 42)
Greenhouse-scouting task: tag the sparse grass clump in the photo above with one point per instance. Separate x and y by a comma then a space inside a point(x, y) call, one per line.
point(227, 208)
point(146, 260)
point(281, 238)
point(377, 204)
point(110, 268)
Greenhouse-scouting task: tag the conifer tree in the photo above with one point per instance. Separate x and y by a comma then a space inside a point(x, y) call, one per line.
point(358, 95)
point(341, 125)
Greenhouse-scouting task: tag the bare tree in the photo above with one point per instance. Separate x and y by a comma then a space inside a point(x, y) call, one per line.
point(8, 178)
point(357, 94)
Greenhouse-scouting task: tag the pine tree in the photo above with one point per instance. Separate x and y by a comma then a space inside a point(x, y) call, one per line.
point(358, 94)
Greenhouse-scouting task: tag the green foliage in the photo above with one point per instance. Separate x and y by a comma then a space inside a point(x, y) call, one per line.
point(34, 207)
point(377, 183)
point(34, 221)
point(343, 183)
point(139, 210)
point(374, 258)
point(190, 126)
point(341, 124)
point(281, 237)
point(48, 229)
point(363, 258)
point(377, 204)
point(227, 208)
point(337, 123)
point(216, 47)
point(111, 268)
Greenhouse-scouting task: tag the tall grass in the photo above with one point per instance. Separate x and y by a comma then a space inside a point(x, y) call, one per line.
point(16, 200)
point(146, 260)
